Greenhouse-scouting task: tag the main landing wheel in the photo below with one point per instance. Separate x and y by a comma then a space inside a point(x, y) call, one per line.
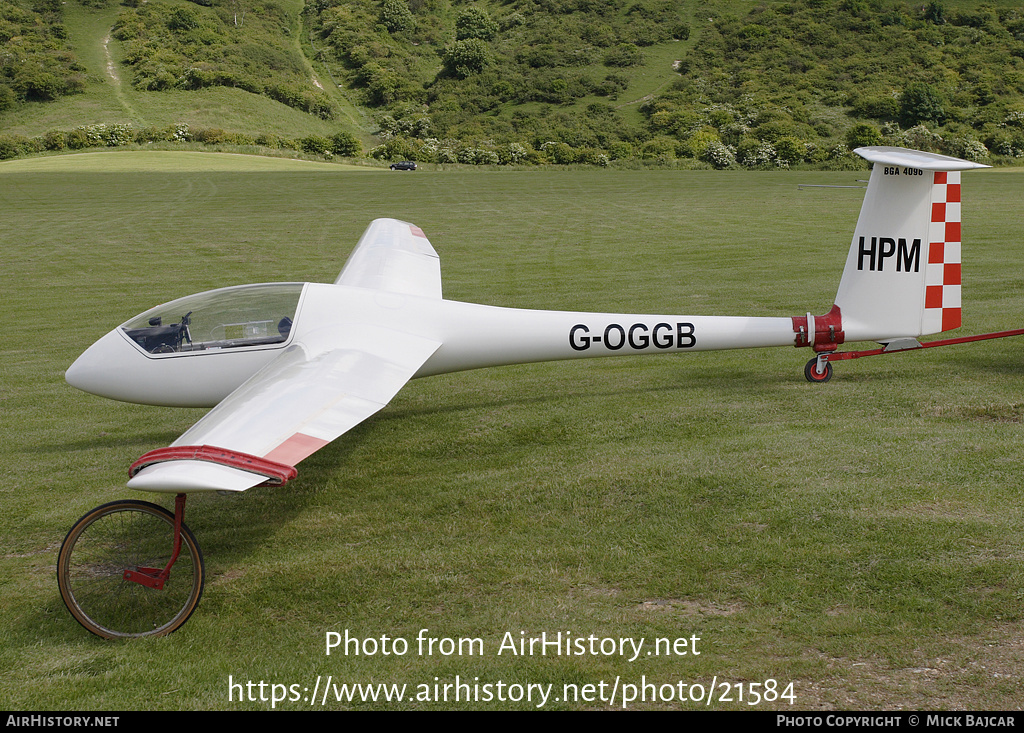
point(125, 539)
point(813, 375)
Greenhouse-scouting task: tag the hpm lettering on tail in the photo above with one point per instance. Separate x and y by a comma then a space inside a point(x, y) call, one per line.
point(908, 258)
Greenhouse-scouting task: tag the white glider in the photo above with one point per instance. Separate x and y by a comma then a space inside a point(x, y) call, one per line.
point(289, 367)
point(292, 366)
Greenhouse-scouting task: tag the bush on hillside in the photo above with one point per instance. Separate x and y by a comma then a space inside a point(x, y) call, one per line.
point(346, 145)
point(624, 54)
point(464, 57)
point(396, 16)
point(474, 22)
point(921, 102)
point(11, 146)
point(316, 145)
point(863, 134)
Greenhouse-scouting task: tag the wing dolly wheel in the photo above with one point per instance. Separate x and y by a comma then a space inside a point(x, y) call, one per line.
point(815, 373)
point(115, 574)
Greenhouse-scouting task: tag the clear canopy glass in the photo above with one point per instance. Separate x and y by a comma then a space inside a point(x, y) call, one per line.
point(229, 318)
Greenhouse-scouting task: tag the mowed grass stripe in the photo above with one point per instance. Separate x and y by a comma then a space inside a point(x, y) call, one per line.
point(167, 161)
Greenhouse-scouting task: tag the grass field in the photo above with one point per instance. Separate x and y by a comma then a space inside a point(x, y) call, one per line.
point(860, 540)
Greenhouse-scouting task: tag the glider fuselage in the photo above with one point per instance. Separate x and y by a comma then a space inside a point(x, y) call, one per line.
point(471, 336)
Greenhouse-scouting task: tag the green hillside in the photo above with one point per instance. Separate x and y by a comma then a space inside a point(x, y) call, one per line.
point(161, 72)
point(680, 82)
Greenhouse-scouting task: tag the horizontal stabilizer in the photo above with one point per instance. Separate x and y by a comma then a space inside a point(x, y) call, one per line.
point(915, 159)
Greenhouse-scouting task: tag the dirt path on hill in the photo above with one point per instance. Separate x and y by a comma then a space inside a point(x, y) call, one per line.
point(115, 79)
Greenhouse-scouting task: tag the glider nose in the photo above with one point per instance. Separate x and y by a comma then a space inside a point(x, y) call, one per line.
point(103, 369)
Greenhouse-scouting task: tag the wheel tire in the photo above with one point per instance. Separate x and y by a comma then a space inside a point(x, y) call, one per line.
point(812, 375)
point(116, 537)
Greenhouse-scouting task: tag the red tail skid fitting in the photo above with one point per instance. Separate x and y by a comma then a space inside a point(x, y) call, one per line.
point(277, 474)
point(843, 355)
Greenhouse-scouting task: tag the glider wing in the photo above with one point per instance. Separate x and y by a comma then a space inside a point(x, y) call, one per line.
point(396, 257)
point(313, 392)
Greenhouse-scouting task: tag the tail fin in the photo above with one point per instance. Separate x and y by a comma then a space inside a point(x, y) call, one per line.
point(902, 276)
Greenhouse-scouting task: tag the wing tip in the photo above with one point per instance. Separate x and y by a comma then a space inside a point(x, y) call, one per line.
point(179, 477)
point(194, 468)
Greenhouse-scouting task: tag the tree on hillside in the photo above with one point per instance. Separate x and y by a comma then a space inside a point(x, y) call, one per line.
point(473, 22)
point(935, 13)
point(462, 58)
point(861, 135)
point(396, 16)
point(921, 102)
point(346, 145)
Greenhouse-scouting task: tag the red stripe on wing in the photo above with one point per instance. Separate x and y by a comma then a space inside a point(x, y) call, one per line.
point(296, 448)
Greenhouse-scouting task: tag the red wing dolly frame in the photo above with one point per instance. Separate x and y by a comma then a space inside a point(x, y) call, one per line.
point(277, 474)
point(115, 566)
point(154, 577)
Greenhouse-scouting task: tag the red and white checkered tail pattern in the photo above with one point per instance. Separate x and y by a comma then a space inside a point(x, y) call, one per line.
point(942, 273)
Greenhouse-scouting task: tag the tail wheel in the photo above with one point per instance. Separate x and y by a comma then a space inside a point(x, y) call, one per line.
point(812, 374)
point(112, 540)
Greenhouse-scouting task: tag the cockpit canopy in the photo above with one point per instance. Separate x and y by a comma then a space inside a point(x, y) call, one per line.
point(229, 318)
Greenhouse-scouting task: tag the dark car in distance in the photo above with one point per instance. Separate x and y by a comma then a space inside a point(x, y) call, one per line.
point(405, 165)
